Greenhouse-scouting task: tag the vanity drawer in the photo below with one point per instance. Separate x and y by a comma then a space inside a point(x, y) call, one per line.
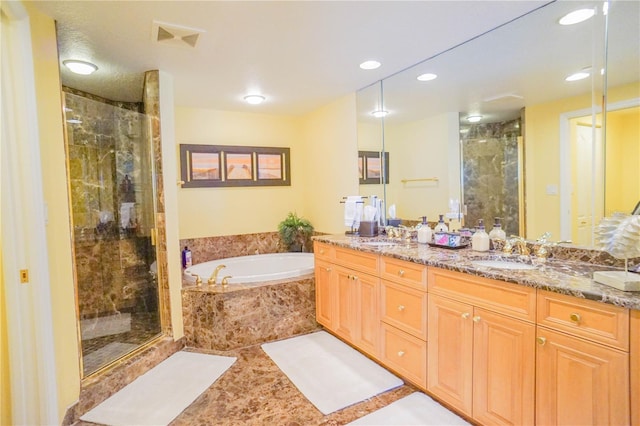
point(323, 251)
point(404, 308)
point(405, 354)
point(357, 260)
point(599, 322)
point(498, 296)
point(400, 271)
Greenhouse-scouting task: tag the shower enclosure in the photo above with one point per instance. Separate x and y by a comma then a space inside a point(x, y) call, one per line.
point(492, 174)
point(112, 200)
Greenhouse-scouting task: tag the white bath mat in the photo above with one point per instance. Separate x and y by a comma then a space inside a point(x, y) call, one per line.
point(415, 409)
point(158, 396)
point(328, 372)
point(114, 350)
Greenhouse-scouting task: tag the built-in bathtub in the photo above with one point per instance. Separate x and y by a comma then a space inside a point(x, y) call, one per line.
point(269, 297)
point(260, 268)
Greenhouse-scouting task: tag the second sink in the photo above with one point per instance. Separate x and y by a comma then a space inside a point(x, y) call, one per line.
point(501, 264)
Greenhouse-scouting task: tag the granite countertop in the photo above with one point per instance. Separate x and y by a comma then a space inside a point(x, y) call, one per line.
point(569, 277)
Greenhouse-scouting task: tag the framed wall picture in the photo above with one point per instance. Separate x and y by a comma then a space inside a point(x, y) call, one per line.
point(223, 166)
point(371, 168)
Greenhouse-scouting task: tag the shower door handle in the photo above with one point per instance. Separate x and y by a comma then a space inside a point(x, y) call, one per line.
point(154, 236)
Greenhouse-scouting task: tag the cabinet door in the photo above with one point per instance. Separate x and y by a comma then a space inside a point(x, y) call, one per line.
point(450, 352)
point(324, 293)
point(579, 382)
point(503, 369)
point(346, 308)
point(367, 319)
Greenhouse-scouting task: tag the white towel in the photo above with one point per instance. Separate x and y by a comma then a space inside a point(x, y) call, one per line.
point(353, 211)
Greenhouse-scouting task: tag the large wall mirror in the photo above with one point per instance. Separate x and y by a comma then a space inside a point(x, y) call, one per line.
point(542, 156)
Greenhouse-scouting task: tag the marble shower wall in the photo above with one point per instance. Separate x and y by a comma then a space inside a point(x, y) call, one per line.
point(490, 174)
point(112, 206)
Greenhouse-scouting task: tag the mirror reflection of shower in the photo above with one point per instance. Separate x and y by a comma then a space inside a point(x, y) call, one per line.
point(113, 212)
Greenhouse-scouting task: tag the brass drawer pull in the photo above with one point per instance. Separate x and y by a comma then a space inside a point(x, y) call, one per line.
point(465, 315)
point(575, 318)
point(327, 269)
point(400, 308)
point(401, 273)
point(354, 277)
point(321, 251)
point(476, 319)
point(401, 353)
point(541, 340)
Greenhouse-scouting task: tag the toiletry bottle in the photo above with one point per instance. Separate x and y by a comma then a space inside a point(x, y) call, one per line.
point(441, 226)
point(480, 239)
point(497, 233)
point(424, 232)
point(186, 257)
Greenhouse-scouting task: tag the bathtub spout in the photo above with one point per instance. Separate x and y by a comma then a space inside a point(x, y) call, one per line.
point(214, 276)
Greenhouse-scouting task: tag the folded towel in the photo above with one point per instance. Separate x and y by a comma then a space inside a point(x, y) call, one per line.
point(352, 211)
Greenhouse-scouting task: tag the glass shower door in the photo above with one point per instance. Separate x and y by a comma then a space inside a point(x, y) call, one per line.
point(113, 210)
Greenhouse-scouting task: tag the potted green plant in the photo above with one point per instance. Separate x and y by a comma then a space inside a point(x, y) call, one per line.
point(295, 232)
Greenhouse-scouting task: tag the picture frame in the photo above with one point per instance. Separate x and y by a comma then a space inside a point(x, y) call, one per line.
point(229, 166)
point(371, 168)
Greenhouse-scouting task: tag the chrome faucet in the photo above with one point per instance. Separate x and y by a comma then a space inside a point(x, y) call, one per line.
point(214, 276)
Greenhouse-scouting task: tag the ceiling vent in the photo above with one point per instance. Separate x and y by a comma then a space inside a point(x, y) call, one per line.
point(176, 35)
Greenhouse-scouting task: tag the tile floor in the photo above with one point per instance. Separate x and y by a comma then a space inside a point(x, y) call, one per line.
point(255, 392)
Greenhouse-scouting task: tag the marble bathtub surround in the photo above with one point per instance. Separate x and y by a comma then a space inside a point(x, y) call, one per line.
point(220, 247)
point(224, 318)
point(557, 274)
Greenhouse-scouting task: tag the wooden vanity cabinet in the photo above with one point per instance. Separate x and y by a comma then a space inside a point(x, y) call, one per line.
point(403, 305)
point(347, 295)
point(635, 366)
point(481, 347)
point(582, 362)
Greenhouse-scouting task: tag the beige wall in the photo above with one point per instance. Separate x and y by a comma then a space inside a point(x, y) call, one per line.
point(542, 157)
point(417, 150)
point(5, 382)
point(54, 177)
point(207, 212)
point(622, 161)
point(330, 162)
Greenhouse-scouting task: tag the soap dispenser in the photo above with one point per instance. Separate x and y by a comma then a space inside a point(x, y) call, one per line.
point(480, 239)
point(441, 226)
point(497, 233)
point(424, 232)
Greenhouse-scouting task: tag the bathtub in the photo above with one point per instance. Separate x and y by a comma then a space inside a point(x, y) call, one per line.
point(254, 269)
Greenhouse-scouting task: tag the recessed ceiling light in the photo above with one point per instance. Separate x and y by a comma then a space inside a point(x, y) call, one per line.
point(427, 77)
point(380, 113)
point(80, 67)
point(370, 65)
point(581, 75)
point(254, 99)
point(576, 16)
point(474, 118)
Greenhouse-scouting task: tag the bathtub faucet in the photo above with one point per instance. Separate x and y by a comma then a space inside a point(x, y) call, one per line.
point(212, 279)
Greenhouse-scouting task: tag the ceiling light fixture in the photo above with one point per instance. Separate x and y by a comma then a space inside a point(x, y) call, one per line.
point(474, 118)
point(576, 16)
point(581, 75)
point(427, 77)
point(370, 65)
point(254, 99)
point(380, 113)
point(80, 67)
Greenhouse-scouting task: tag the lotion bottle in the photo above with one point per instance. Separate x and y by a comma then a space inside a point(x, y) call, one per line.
point(186, 257)
point(424, 232)
point(497, 233)
point(480, 239)
point(441, 226)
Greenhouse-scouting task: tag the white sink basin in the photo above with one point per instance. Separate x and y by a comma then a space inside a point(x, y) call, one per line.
point(378, 243)
point(501, 264)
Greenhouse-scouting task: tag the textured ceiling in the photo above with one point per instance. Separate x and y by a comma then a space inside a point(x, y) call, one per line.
point(299, 54)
